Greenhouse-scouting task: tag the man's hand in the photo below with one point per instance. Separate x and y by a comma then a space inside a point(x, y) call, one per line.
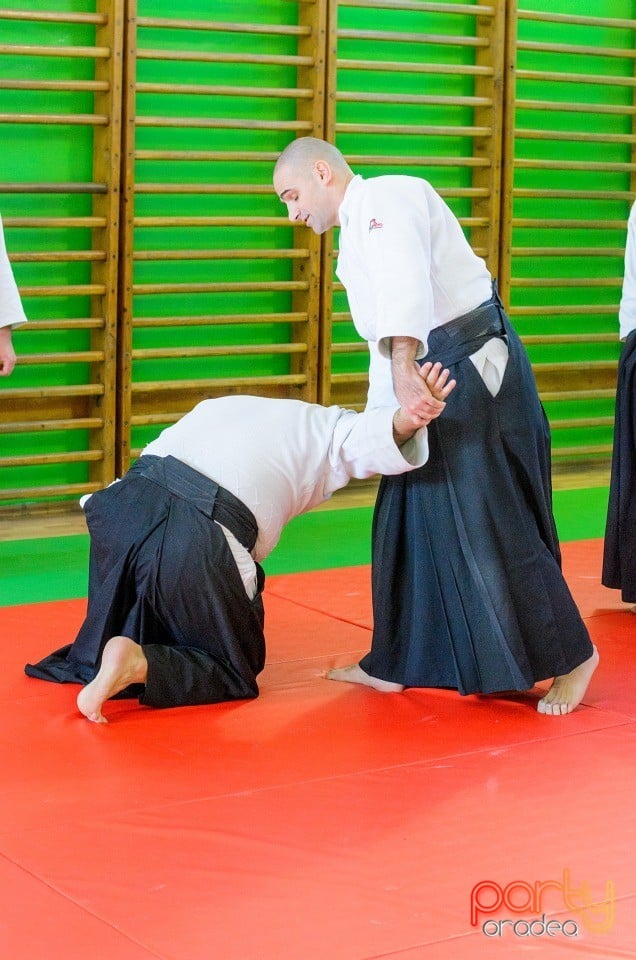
point(410, 387)
point(435, 377)
point(7, 353)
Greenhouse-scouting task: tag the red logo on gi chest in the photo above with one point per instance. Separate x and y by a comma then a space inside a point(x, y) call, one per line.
point(374, 224)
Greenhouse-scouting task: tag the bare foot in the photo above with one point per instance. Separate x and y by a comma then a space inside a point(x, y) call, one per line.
point(567, 691)
point(123, 663)
point(355, 674)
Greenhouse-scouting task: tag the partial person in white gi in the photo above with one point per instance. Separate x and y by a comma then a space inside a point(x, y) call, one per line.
point(619, 549)
point(175, 614)
point(11, 311)
point(467, 586)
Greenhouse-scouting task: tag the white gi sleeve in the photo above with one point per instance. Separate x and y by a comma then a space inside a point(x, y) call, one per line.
point(11, 311)
point(627, 308)
point(396, 249)
point(362, 445)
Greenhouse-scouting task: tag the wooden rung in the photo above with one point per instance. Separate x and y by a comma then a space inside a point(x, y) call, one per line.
point(583, 165)
point(398, 66)
point(154, 419)
point(54, 222)
point(563, 309)
point(97, 53)
point(45, 393)
point(579, 282)
point(553, 396)
point(223, 123)
point(71, 119)
point(225, 156)
point(570, 224)
point(62, 490)
point(38, 460)
point(212, 222)
point(414, 98)
point(406, 129)
point(198, 56)
point(93, 86)
point(561, 106)
point(592, 450)
point(341, 379)
point(81, 356)
point(218, 319)
point(465, 10)
point(576, 49)
point(583, 195)
point(553, 76)
point(255, 287)
point(70, 323)
point(579, 422)
point(263, 189)
point(237, 350)
point(568, 251)
point(155, 255)
point(24, 187)
point(357, 347)
point(225, 26)
point(575, 136)
point(99, 19)
point(577, 366)
point(237, 384)
point(43, 426)
point(72, 290)
point(419, 161)
point(295, 93)
point(439, 39)
point(58, 256)
point(550, 338)
point(575, 18)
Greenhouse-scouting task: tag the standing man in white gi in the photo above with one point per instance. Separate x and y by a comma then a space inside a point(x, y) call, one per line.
point(11, 311)
point(619, 553)
point(175, 614)
point(467, 586)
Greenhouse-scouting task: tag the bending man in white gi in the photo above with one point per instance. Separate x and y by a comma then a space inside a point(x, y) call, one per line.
point(174, 601)
point(467, 585)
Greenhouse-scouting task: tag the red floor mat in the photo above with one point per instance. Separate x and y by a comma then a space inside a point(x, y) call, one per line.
point(322, 821)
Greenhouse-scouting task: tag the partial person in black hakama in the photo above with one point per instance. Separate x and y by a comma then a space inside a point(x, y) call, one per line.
point(619, 551)
point(473, 530)
point(161, 571)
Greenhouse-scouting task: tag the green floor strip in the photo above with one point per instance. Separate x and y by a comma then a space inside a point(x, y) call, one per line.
point(32, 571)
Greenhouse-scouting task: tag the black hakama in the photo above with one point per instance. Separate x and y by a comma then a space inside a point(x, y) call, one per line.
point(619, 552)
point(161, 572)
point(467, 585)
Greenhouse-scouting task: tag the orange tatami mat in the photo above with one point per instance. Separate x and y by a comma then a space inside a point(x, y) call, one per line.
point(322, 821)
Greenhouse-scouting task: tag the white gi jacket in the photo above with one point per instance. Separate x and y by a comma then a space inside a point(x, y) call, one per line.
point(11, 310)
point(283, 457)
point(627, 308)
point(407, 268)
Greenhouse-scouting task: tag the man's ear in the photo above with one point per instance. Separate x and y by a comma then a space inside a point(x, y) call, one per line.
point(323, 171)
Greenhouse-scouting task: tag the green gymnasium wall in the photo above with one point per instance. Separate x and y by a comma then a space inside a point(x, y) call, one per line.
point(522, 119)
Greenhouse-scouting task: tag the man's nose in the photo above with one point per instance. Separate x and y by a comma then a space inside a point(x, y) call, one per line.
point(294, 212)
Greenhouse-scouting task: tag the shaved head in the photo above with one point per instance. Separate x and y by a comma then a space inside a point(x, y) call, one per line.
point(301, 154)
point(311, 177)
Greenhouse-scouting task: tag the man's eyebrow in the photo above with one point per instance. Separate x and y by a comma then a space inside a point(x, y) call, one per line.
point(286, 190)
